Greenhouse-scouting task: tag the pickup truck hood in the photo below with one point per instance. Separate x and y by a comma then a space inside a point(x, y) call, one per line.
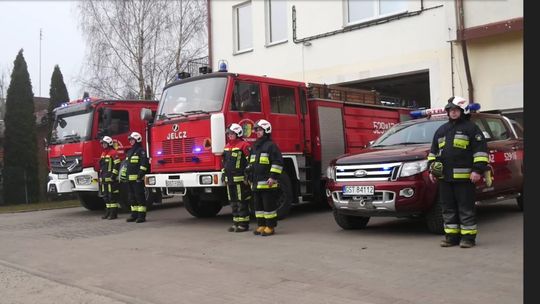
point(385, 154)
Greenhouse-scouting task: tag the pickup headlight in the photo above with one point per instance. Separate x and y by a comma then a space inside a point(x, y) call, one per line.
point(330, 172)
point(412, 168)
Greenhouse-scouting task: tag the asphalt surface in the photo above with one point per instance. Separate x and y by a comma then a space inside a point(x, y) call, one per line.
point(73, 256)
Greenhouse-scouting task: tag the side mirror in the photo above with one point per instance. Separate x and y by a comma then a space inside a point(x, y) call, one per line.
point(146, 114)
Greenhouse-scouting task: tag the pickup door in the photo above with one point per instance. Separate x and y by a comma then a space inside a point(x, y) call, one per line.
point(505, 154)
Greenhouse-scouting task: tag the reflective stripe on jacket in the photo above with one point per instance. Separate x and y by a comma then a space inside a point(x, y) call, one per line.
point(266, 161)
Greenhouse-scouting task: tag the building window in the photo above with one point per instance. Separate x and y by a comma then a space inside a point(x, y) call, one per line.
point(282, 100)
point(276, 21)
point(364, 10)
point(243, 27)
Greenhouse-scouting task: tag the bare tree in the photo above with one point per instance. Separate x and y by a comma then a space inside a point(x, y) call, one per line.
point(137, 46)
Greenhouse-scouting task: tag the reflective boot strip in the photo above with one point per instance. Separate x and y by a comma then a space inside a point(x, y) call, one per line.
point(141, 209)
point(134, 208)
point(462, 173)
point(468, 230)
point(239, 219)
point(480, 157)
point(259, 214)
point(451, 228)
point(270, 214)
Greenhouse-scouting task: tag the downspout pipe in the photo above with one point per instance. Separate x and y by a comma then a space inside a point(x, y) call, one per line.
point(209, 24)
point(461, 29)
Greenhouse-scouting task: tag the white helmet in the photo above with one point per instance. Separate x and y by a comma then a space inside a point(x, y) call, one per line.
point(136, 136)
point(458, 102)
point(264, 124)
point(108, 140)
point(236, 129)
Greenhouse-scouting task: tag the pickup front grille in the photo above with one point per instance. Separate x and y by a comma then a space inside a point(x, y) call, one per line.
point(367, 173)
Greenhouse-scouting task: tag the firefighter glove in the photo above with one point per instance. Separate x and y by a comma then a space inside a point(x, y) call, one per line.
point(436, 168)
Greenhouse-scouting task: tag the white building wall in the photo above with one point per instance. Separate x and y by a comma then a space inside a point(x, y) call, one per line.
point(488, 11)
point(404, 46)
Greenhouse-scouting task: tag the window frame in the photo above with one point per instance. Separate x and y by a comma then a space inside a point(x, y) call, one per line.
point(234, 102)
point(269, 23)
point(294, 95)
point(376, 12)
point(236, 28)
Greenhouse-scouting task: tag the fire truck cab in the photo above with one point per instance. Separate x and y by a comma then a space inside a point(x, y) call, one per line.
point(74, 149)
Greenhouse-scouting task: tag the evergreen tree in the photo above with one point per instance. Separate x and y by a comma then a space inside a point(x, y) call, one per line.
point(20, 175)
point(58, 93)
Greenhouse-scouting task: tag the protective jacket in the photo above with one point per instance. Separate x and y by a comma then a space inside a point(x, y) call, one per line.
point(461, 147)
point(137, 163)
point(109, 165)
point(265, 161)
point(235, 160)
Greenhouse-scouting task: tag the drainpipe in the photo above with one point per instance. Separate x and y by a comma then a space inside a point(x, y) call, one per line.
point(461, 29)
point(209, 33)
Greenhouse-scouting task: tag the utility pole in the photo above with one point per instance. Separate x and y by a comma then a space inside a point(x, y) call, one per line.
point(40, 37)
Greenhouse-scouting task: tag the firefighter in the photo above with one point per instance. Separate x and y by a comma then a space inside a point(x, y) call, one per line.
point(458, 159)
point(136, 168)
point(109, 164)
point(235, 160)
point(265, 167)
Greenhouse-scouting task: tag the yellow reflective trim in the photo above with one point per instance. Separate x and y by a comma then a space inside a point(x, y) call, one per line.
point(451, 230)
point(238, 192)
point(461, 143)
point(264, 160)
point(141, 209)
point(270, 215)
point(115, 171)
point(462, 175)
point(238, 178)
point(275, 170)
point(266, 186)
point(143, 168)
point(132, 177)
point(134, 208)
point(469, 232)
point(242, 219)
point(117, 161)
point(431, 157)
point(252, 158)
point(480, 159)
point(259, 214)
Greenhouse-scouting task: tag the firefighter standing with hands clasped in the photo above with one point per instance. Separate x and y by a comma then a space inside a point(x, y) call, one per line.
point(109, 164)
point(458, 159)
point(137, 166)
point(265, 166)
point(235, 160)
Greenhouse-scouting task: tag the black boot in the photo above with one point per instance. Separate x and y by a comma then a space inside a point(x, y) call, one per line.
point(114, 213)
point(133, 217)
point(450, 240)
point(107, 213)
point(141, 218)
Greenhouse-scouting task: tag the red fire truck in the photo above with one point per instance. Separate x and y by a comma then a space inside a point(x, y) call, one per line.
point(390, 177)
point(311, 125)
point(74, 149)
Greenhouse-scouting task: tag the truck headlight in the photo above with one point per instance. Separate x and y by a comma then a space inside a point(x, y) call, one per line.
point(330, 172)
point(412, 168)
point(205, 179)
point(83, 180)
point(151, 180)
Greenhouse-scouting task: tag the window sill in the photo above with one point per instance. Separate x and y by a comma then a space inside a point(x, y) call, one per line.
point(276, 43)
point(240, 52)
point(374, 20)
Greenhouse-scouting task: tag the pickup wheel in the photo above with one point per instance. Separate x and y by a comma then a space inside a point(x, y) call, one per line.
point(434, 219)
point(91, 201)
point(201, 208)
point(348, 222)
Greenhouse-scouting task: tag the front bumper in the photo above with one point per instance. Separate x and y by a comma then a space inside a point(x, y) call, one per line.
point(184, 180)
point(86, 180)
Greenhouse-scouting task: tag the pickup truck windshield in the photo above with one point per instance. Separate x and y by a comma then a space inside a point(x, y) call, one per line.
point(409, 133)
point(71, 128)
point(192, 97)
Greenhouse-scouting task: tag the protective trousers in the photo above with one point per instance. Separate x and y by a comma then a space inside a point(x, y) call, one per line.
point(458, 209)
point(110, 192)
point(239, 195)
point(266, 203)
point(137, 200)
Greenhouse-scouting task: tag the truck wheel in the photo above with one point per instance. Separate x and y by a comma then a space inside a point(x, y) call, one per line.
point(520, 202)
point(201, 208)
point(348, 222)
point(285, 199)
point(434, 219)
point(91, 201)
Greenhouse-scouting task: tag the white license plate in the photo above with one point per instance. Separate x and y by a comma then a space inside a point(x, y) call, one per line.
point(358, 190)
point(174, 183)
point(62, 176)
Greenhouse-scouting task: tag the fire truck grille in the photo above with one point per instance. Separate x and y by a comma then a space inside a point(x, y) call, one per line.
point(66, 164)
point(367, 173)
point(183, 151)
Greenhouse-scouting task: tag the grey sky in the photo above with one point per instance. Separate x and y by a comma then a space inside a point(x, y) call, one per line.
point(62, 42)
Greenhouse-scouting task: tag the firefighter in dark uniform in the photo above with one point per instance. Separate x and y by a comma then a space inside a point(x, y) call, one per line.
point(137, 166)
point(235, 160)
point(109, 164)
point(457, 160)
point(265, 167)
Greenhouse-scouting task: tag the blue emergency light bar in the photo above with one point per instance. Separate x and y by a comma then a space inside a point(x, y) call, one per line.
point(427, 112)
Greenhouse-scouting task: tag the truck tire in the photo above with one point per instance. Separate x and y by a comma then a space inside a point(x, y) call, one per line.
point(434, 219)
point(201, 208)
point(91, 201)
point(348, 222)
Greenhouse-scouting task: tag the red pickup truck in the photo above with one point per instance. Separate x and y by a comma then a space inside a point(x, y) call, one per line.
point(390, 176)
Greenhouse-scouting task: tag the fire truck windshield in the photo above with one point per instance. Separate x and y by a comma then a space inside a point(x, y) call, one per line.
point(192, 97)
point(409, 133)
point(71, 128)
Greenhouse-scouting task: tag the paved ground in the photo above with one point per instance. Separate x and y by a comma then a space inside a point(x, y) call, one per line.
point(72, 256)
